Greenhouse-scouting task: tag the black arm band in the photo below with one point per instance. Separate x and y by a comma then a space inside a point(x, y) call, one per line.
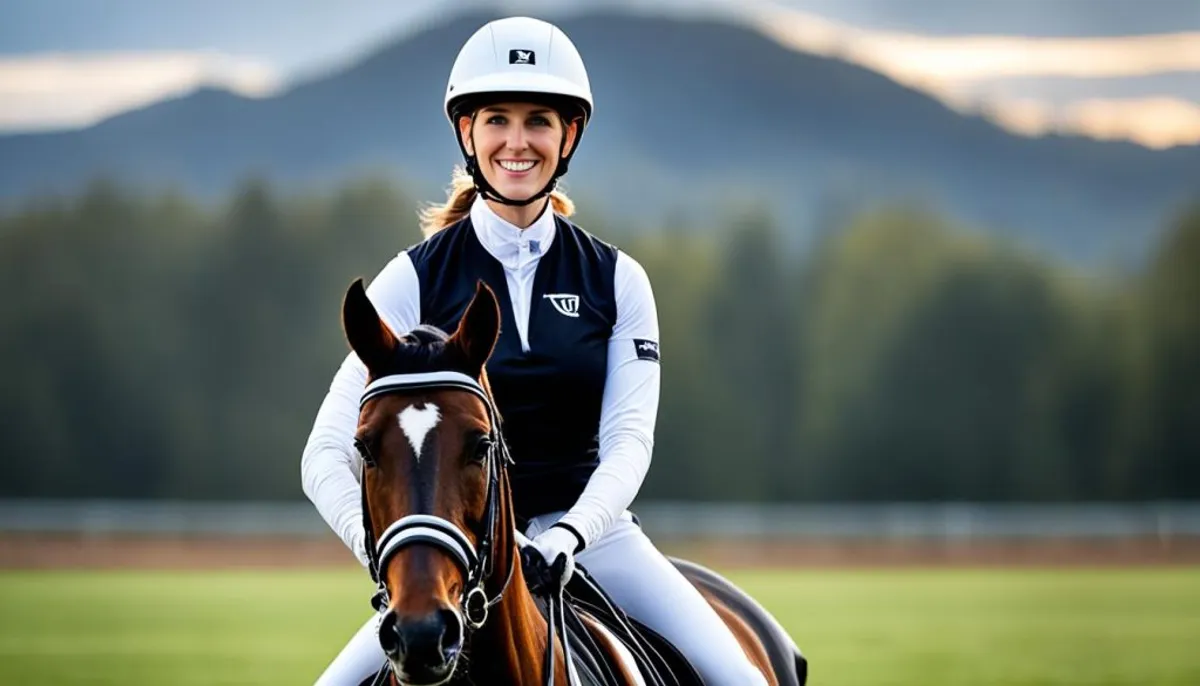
point(578, 536)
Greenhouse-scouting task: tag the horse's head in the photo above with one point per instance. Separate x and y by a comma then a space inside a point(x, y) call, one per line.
point(431, 479)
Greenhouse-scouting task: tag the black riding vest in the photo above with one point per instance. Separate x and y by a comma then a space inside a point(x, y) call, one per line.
point(548, 398)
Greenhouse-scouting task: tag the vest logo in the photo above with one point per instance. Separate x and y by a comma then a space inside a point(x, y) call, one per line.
point(646, 349)
point(521, 57)
point(567, 304)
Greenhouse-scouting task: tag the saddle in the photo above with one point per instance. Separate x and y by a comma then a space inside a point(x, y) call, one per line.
point(660, 662)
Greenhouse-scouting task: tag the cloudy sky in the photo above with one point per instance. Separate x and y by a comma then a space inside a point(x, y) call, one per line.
point(1108, 68)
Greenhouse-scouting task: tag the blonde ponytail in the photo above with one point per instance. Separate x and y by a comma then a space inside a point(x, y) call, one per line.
point(561, 204)
point(462, 195)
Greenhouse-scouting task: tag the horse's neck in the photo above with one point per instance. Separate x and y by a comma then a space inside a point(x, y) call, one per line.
point(511, 646)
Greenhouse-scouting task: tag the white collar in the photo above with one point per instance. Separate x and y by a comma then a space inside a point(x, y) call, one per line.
point(513, 247)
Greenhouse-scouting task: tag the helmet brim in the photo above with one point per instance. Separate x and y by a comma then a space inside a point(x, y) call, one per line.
point(493, 88)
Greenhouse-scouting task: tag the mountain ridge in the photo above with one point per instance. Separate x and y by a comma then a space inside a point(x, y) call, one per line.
point(686, 109)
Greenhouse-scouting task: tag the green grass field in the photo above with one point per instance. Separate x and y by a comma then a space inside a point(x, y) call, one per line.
point(859, 628)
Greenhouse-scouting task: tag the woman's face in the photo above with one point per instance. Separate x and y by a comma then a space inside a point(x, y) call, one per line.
point(517, 146)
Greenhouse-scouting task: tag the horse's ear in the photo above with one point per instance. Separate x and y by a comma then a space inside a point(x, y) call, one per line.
point(478, 329)
point(366, 333)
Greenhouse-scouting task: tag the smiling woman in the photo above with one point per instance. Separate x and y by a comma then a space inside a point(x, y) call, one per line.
point(518, 125)
point(517, 147)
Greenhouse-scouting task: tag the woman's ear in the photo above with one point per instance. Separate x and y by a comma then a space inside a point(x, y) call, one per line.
point(572, 133)
point(464, 131)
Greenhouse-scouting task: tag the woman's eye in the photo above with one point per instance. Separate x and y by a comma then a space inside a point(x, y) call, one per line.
point(495, 119)
point(539, 121)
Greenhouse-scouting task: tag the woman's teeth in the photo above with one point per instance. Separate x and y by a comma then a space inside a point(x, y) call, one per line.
point(517, 166)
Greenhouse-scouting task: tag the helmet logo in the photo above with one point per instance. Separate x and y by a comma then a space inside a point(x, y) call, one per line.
point(521, 57)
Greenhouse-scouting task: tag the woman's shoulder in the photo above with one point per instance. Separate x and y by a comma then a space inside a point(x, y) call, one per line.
point(622, 263)
point(586, 239)
point(439, 240)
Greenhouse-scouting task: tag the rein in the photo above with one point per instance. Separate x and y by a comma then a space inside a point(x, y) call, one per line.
point(418, 529)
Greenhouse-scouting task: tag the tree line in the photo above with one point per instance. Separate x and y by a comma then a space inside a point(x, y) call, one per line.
point(155, 346)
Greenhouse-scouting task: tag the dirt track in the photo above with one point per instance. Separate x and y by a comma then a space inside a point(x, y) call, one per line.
point(47, 552)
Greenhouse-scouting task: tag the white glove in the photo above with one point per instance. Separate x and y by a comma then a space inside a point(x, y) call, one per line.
point(557, 541)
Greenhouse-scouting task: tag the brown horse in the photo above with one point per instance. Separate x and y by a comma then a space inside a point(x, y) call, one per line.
point(441, 530)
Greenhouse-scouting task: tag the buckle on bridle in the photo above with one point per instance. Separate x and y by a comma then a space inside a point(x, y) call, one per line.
point(475, 607)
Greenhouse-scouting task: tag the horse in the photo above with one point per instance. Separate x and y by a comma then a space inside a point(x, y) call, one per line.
point(442, 535)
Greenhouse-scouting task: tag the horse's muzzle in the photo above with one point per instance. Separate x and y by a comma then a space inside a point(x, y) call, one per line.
point(425, 648)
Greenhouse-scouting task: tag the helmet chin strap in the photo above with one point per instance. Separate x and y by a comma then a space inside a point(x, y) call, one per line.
point(488, 192)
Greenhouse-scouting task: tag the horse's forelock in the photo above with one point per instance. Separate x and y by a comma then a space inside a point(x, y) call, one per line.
point(420, 350)
point(426, 334)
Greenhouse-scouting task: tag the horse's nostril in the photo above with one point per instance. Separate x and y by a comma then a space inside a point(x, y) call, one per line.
point(452, 633)
point(428, 642)
point(389, 637)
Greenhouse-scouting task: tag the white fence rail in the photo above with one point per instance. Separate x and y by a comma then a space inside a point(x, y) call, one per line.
point(950, 521)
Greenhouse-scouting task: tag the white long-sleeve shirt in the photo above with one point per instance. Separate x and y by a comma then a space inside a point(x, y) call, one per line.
point(330, 465)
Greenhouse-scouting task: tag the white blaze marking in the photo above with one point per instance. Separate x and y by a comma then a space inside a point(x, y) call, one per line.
point(417, 423)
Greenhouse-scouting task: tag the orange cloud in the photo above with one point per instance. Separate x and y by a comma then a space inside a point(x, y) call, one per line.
point(944, 59)
point(1153, 122)
point(69, 90)
point(943, 65)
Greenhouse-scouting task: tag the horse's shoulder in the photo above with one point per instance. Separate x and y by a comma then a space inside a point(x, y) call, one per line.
point(659, 662)
point(618, 654)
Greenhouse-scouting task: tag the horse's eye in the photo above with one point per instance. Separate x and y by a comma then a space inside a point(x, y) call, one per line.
point(483, 449)
point(363, 444)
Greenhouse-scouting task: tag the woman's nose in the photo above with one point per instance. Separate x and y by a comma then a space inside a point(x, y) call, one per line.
point(516, 138)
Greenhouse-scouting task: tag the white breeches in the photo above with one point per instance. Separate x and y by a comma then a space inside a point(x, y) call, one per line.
point(641, 581)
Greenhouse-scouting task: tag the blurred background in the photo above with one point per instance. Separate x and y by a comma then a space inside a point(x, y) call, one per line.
point(927, 272)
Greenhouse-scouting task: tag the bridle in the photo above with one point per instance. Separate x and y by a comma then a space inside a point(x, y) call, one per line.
point(475, 562)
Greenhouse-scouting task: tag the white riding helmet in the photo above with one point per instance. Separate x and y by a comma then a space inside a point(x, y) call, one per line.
point(518, 55)
point(520, 59)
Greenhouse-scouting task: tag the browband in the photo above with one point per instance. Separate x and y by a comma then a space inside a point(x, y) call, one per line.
point(439, 380)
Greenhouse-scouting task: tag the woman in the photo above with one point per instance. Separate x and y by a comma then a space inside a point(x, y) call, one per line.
point(575, 373)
